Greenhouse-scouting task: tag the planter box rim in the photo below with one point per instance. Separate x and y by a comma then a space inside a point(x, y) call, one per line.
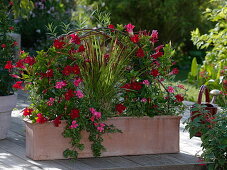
point(26, 120)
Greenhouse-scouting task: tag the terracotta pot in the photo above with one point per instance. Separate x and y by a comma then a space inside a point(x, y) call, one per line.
point(145, 135)
point(7, 103)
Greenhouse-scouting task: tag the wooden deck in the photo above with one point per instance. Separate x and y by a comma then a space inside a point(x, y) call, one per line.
point(12, 156)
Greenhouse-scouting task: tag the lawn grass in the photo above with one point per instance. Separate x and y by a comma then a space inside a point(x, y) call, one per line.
point(192, 90)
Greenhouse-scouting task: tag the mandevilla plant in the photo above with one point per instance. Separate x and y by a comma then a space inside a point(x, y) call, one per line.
point(7, 46)
point(214, 136)
point(90, 75)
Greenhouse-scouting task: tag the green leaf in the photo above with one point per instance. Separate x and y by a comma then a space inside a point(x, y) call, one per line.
point(194, 67)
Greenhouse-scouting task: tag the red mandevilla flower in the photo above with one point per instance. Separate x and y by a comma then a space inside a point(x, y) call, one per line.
point(9, 65)
point(81, 49)
point(136, 86)
point(11, 28)
point(49, 73)
point(111, 26)
point(57, 121)
point(58, 44)
point(75, 39)
point(18, 85)
point(179, 97)
point(76, 69)
point(3, 45)
point(75, 113)
point(15, 43)
point(69, 94)
point(127, 86)
point(20, 64)
point(67, 70)
point(120, 108)
point(135, 38)
point(155, 72)
point(156, 55)
point(40, 118)
point(27, 111)
point(11, 3)
point(29, 60)
point(140, 53)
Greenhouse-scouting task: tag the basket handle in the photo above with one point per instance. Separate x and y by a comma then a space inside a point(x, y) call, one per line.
point(203, 89)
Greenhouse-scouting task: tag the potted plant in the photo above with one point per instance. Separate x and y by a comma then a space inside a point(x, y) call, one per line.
point(101, 88)
point(7, 47)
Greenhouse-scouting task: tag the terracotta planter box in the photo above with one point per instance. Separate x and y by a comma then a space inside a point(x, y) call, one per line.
point(145, 135)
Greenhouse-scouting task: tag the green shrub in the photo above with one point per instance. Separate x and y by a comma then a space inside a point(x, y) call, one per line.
point(213, 72)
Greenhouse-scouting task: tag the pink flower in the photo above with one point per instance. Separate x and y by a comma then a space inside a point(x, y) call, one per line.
point(51, 101)
point(144, 100)
point(154, 36)
point(96, 114)
point(129, 28)
point(170, 89)
point(77, 82)
point(100, 127)
point(146, 82)
point(60, 84)
point(15, 76)
point(156, 63)
point(79, 94)
point(174, 71)
point(180, 86)
point(156, 55)
point(74, 124)
point(158, 48)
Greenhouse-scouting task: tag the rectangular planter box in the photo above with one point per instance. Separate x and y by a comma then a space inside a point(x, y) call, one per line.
point(144, 135)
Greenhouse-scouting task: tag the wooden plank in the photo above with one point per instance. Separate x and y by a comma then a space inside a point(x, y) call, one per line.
point(74, 164)
point(20, 152)
point(109, 162)
point(10, 161)
point(16, 138)
point(163, 159)
point(17, 128)
point(98, 163)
